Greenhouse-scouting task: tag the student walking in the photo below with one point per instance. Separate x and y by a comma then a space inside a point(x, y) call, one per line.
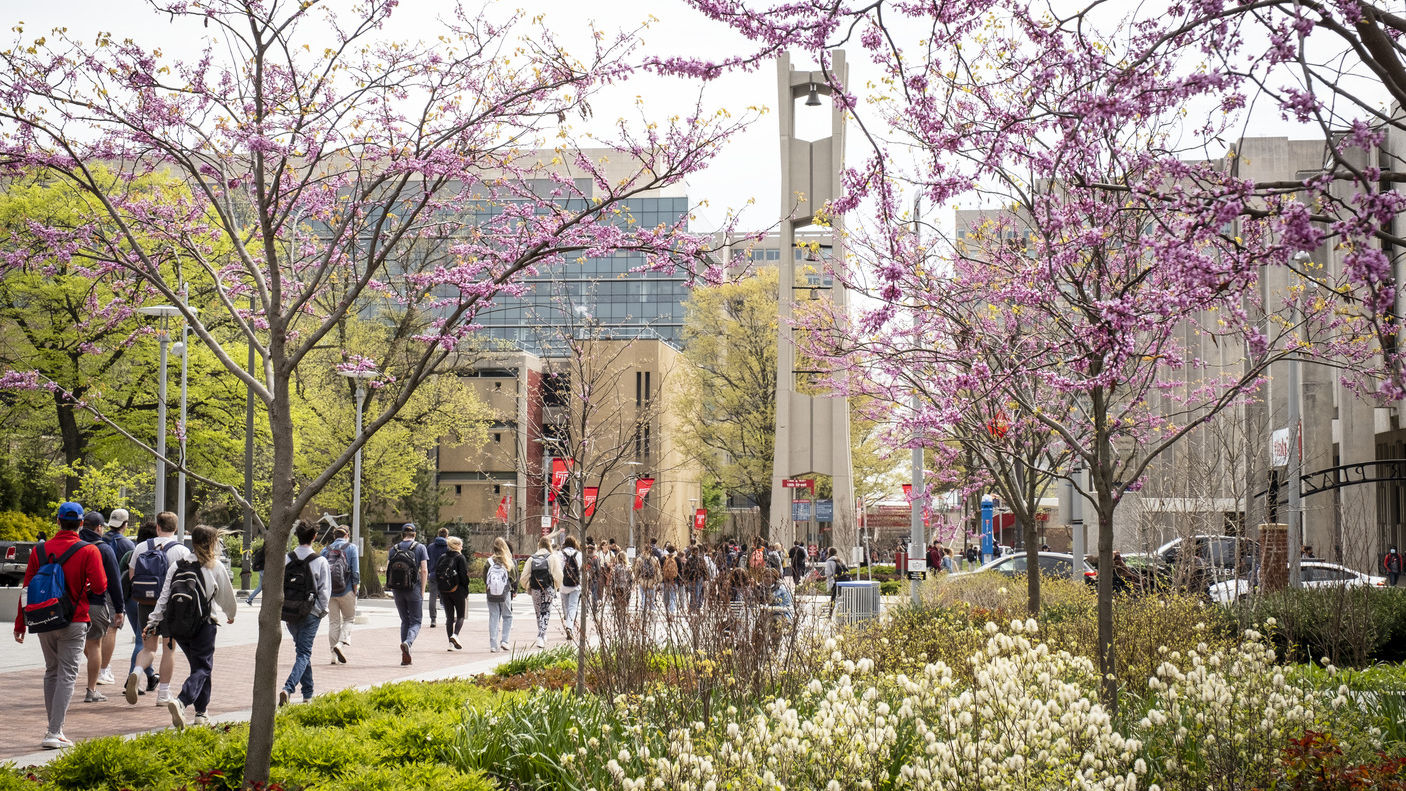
point(146, 532)
point(571, 565)
point(647, 574)
point(105, 607)
point(800, 559)
point(344, 575)
point(150, 562)
point(61, 574)
point(307, 589)
point(116, 538)
point(835, 572)
point(541, 576)
point(498, 581)
point(435, 550)
point(406, 577)
point(451, 578)
point(186, 611)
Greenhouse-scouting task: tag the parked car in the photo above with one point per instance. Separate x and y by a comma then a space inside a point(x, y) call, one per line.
point(1315, 574)
point(1052, 564)
point(1142, 573)
point(14, 556)
point(1217, 558)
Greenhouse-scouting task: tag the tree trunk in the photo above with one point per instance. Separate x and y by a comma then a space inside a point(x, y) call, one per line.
point(259, 752)
point(75, 444)
point(1107, 665)
point(1032, 564)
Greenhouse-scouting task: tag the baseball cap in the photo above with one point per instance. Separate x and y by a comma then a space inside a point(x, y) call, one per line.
point(71, 510)
point(408, 526)
point(118, 517)
point(93, 519)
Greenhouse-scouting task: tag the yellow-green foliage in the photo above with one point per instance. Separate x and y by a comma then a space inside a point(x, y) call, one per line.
point(15, 526)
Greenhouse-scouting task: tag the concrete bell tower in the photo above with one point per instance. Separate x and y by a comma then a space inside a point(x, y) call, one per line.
point(812, 431)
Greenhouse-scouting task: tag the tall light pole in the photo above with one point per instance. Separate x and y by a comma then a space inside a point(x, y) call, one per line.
point(1295, 537)
point(184, 351)
point(163, 312)
point(245, 577)
point(359, 376)
point(634, 485)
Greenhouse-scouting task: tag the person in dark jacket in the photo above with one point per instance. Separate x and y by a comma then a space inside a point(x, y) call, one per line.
point(800, 560)
point(456, 572)
point(436, 550)
point(105, 608)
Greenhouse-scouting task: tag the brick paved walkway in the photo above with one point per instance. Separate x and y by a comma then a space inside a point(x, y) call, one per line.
point(374, 659)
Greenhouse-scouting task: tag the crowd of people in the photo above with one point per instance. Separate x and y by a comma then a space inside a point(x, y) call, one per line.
point(88, 581)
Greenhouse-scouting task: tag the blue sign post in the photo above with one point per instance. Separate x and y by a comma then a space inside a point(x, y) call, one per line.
point(988, 508)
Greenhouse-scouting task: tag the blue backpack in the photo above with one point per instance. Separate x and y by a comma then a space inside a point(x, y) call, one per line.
point(149, 575)
point(48, 605)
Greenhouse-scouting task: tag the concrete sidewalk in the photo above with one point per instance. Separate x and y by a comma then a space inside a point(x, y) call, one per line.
point(374, 658)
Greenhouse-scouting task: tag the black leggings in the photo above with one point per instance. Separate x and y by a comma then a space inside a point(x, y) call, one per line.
point(454, 604)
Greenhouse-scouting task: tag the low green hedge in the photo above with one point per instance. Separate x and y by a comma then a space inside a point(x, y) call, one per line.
point(1351, 627)
point(392, 737)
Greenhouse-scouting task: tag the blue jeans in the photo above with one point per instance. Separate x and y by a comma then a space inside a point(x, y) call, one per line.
point(411, 608)
point(130, 607)
point(695, 590)
point(303, 635)
point(570, 603)
point(499, 612)
point(671, 596)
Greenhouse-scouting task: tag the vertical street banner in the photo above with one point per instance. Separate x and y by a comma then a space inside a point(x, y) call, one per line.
point(590, 494)
point(502, 512)
point(561, 470)
point(908, 491)
point(642, 487)
point(700, 519)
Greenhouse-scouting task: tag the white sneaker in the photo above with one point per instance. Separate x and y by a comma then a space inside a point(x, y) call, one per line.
point(541, 642)
point(55, 741)
point(94, 696)
point(105, 677)
point(178, 713)
point(504, 646)
point(162, 700)
point(131, 690)
point(201, 719)
point(454, 641)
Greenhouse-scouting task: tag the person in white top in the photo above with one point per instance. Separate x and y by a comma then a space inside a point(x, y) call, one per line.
point(571, 563)
point(199, 644)
point(145, 564)
point(541, 576)
point(303, 614)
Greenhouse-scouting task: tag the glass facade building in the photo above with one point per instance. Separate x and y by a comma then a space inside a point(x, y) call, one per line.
point(602, 293)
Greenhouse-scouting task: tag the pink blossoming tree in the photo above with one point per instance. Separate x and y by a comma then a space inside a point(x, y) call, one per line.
point(328, 173)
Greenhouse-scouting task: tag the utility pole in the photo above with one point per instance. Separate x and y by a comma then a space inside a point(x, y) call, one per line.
point(1295, 538)
point(916, 542)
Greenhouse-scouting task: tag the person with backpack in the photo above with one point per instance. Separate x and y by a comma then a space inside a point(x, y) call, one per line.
point(800, 559)
point(695, 575)
point(773, 559)
point(407, 575)
point(621, 586)
point(1391, 563)
point(541, 577)
point(307, 589)
point(647, 576)
point(58, 579)
point(344, 575)
point(498, 582)
point(145, 532)
point(435, 550)
point(572, 566)
point(150, 562)
point(451, 577)
point(186, 611)
point(669, 579)
point(835, 572)
point(116, 539)
point(105, 607)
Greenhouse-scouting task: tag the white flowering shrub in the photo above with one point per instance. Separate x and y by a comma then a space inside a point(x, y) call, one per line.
point(1212, 719)
point(1221, 719)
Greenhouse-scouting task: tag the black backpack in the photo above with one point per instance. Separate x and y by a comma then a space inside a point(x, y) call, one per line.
point(188, 604)
point(570, 571)
point(446, 575)
point(299, 588)
point(401, 572)
point(541, 578)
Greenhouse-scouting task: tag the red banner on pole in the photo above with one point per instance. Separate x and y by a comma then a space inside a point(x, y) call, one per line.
point(642, 487)
point(908, 491)
point(591, 493)
point(561, 470)
point(502, 512)
point(700, 519)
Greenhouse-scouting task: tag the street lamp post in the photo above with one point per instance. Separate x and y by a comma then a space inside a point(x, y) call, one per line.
point(634, 486)
point(163, 312)
point(359, 376)
point(184, 351)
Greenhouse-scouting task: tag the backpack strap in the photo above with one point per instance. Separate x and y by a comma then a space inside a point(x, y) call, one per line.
point(62, 559)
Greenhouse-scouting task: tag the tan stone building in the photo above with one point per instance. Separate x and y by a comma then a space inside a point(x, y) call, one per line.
point(609, 403)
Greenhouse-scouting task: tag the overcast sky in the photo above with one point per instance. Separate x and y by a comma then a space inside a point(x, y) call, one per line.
point(747, 171)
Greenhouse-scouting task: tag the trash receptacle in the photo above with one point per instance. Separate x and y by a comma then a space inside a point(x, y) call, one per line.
point(858, 601)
